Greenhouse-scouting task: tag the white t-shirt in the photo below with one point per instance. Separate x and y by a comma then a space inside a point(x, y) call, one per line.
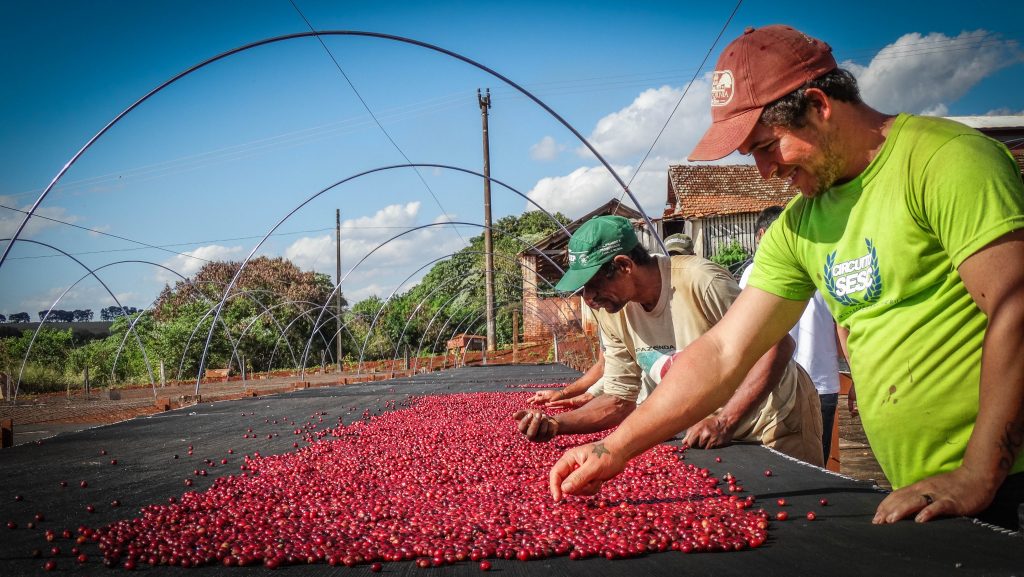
point(815, 336)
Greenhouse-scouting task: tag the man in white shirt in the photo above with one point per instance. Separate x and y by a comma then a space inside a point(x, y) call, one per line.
point(815, 336)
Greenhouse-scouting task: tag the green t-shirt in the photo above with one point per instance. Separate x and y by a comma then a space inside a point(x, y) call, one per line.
point(883, 249)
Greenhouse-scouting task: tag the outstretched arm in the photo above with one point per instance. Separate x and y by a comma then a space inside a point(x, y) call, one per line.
point(703, 377)
point(576, 388)
point(604, 412)
point(717, 429)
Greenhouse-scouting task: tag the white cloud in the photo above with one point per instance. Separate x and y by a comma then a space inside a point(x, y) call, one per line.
point(547, 149)
point(394, 216)
point(920, 73)
point(10, 220)
point(939, 109)
point(188, 263)
point(313, 253)
point(392, 259)
point(1005, 111)
point(365, 292)
point(630, 131)
point(623, 137)
point(586, 188)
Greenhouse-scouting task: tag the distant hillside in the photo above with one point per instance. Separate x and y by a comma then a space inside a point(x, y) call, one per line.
point(82, 331)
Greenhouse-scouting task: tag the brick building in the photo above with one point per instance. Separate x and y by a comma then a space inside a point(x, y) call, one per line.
point(544, 311)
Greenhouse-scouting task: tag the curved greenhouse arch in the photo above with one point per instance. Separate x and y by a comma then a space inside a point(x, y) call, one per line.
point(318, 34)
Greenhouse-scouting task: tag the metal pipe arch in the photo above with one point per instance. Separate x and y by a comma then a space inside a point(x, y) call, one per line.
point(379, 35)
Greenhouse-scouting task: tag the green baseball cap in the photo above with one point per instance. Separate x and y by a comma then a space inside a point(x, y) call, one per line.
point(598, 241)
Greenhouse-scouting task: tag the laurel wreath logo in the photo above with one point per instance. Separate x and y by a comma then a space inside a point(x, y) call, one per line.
point(871, 294)
point(874, 291)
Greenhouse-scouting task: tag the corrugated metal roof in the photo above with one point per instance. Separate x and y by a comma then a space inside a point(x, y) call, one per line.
point(701, 191)
point(979, 122)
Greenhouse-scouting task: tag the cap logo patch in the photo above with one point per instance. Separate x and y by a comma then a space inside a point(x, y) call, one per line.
point(722, 87)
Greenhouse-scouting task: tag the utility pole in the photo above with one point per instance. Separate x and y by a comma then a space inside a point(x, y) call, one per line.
point(485, 105)
point(337, 294)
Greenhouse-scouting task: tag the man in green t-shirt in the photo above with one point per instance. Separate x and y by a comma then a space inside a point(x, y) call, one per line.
point(912, 229)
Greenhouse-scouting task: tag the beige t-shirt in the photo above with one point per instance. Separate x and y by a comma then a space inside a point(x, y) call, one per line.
point(695, 293)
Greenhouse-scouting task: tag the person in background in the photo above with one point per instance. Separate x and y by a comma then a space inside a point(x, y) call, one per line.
point(815, 336)
point(679, 244)
point(912, 228)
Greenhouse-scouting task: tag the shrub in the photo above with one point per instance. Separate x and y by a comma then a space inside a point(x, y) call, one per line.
point(731, 254)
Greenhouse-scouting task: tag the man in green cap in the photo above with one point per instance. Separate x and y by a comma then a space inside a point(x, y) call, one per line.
point(649, 308)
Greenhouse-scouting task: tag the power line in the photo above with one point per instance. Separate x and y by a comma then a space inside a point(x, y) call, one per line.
point(165, 247)
point(370, 112)
point(458, 100)
point(681, 97)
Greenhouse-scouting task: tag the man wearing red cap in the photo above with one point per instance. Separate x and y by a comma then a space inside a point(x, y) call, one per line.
point(912, 228)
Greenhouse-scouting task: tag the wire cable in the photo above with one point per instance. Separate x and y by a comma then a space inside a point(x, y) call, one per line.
point(374, 117)
point(565, 87)
point(686, 89)
point(165, 248)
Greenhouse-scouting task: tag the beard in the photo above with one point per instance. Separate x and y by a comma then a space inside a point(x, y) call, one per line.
point(827, 170)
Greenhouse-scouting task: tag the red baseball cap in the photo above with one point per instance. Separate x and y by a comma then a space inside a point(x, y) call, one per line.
point(756, 69)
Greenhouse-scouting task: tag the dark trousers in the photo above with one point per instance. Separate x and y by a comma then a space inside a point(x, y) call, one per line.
point(828, 417)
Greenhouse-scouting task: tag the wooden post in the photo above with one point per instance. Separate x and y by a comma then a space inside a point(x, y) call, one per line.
point(7, 433)
point(86, 383)
point(515, 334)
point(491, 344)
point(834, 462)
point(163, 376)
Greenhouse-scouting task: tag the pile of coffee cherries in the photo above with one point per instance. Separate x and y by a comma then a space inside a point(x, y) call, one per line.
point(447, 479)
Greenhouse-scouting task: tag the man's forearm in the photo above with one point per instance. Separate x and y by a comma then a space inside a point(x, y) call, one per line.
point(602, 413)
point(999, 429)
point(759, 382)
point(580, 385)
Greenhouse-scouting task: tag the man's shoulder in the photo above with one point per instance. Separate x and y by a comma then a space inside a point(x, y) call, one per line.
point(702, 278)
point(927, 134)
point(692, 267)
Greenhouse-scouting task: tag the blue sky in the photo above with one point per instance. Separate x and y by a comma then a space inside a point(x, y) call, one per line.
point(210, 164)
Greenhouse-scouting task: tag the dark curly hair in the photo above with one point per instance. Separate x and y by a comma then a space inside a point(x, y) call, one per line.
point(790, 111)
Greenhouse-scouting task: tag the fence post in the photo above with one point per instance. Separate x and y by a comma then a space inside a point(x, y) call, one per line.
point(6, 433)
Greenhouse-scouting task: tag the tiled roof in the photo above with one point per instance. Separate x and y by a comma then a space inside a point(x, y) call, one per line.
point(701, 191)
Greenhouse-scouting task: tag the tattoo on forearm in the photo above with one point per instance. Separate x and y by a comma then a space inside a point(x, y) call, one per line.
point(600, 450)
point(1010, 444)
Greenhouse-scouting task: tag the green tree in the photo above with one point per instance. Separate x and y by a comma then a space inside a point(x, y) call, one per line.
point(458, 284)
